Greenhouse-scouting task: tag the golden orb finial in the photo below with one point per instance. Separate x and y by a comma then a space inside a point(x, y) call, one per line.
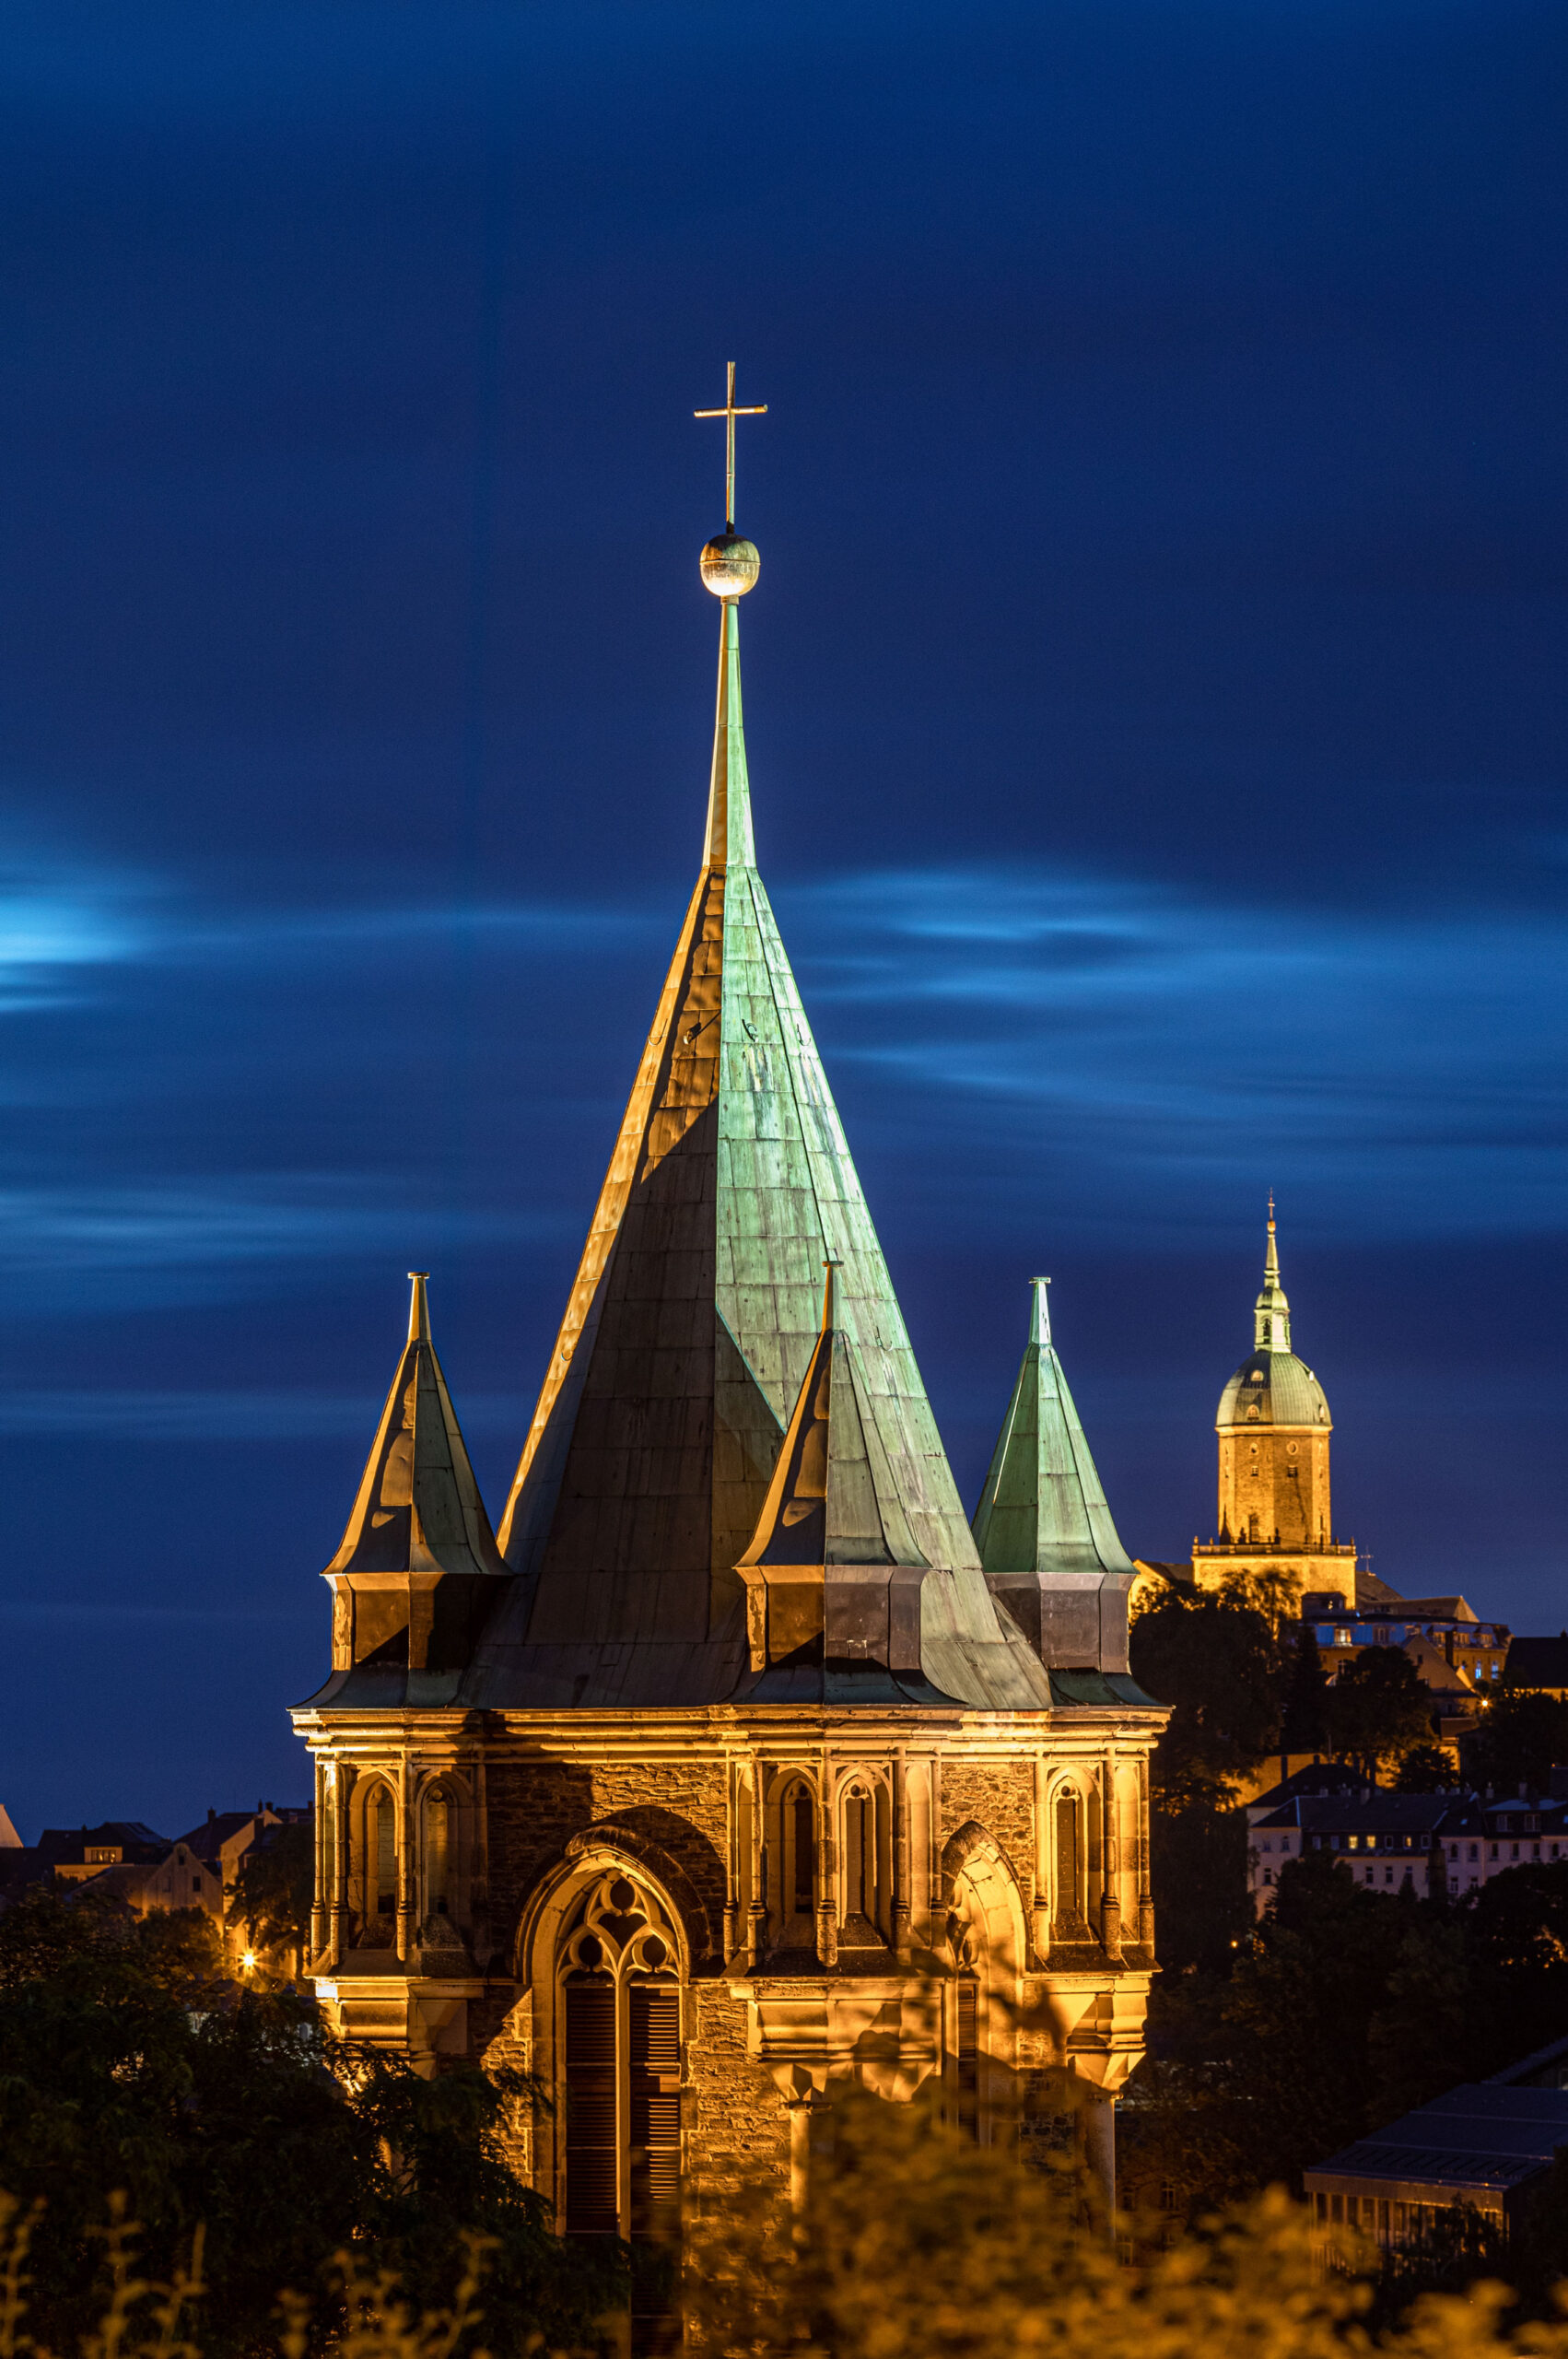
point(730, 565)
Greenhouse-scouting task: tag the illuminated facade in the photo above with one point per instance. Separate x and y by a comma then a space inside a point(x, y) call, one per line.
point(1276, 1529)
point(730, 1769)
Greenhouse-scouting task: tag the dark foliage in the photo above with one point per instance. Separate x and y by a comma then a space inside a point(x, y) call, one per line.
point(1345, 2009)
point(1424, 1769)
point(1305, 1719)
point(1378, 1707)
point(1519, 1742)
point(127, 2063)
point(274, 1888)
point(1219, 1665)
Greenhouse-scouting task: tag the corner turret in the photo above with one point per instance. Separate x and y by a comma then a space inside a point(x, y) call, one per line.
point(833, 1575)
point(418, 1568)
point(1046, 1541)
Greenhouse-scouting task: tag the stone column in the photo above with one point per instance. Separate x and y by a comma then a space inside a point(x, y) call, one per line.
point(1110, 1859)
point(732, 1859)
point(900, 1854)
point(1099, 2148)
point(1040, 1913)
point(827, 1871)
point(341, 1779)
point(321, 1898)
point(1145, 1885)
point(756, 1907)
point(478, 1862)
point(404, 1859)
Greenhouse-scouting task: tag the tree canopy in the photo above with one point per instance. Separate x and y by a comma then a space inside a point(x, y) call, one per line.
point(129, 2065)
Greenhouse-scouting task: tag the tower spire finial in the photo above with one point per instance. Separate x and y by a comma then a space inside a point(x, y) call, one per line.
point(1040, 1314)
point(1271, 1313)
point(730, 413)
point(418, 1309)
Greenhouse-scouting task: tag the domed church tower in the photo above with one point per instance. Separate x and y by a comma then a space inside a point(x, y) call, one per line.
point(1276, 1528)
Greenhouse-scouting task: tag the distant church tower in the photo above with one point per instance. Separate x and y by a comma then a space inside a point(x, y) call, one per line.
point(1276, 1526)
point(731, 1770)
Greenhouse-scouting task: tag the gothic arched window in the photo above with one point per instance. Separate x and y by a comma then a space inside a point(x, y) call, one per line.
point(620, 2047)
point(438, 1853)
point(861, 1896)
point(373, 1857)
point(1069, 1924)
point(797, 1885)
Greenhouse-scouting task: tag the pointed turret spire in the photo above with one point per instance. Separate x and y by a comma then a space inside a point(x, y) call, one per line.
point(1043, 1528)
point(833, 1575)
point(1271, 1313)
point(418, 1567)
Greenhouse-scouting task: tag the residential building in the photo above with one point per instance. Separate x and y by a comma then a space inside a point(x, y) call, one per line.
point(1486, 2147)
point(1386, 1842)
point(1540, 1665)
point(1454, 1842)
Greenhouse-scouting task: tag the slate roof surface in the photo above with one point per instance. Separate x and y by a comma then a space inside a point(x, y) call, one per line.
point(1485, 2134)
point(1536, 1663)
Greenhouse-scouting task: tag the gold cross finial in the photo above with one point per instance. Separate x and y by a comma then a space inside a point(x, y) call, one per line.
point(730, 413)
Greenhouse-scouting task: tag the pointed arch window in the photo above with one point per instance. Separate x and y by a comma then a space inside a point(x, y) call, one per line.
point(798, 1863)
point(862, 1878)
point(438, 1853)
point(373, 1862)
point(1069, 1923)
point(620, 2050)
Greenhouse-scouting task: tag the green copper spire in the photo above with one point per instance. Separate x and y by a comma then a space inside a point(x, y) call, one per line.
point(1271, 1313)
point(1043, 1528)
point(692, 1325)
point(729, 841)
point(833, 1577)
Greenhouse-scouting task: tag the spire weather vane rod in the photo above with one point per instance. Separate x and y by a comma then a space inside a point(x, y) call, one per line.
point(730, 413)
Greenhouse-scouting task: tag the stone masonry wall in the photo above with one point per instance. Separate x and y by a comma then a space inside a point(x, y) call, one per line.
point(999, 1795)
point(535, 1807)
point(735, 2119)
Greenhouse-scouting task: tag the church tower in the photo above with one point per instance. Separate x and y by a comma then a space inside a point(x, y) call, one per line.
point(730, 1772)
point(1276, 1536)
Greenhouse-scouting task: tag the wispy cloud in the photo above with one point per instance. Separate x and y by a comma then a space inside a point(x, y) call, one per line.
point(1393, 1068)
point(218, 1416)
point(301, 1086)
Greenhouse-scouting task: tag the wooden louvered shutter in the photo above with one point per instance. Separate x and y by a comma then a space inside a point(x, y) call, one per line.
point(655, 2073)
point(968, 2059)
point(592, 2150)
point(385, 1899)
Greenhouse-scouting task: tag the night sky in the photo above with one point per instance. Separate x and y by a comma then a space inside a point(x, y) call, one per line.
point(1155, 704)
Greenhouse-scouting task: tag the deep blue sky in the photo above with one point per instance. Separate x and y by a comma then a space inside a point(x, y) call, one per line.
point(1155, 697)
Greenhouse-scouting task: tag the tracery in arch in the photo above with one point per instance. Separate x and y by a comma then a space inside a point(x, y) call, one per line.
point(608, 1949)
